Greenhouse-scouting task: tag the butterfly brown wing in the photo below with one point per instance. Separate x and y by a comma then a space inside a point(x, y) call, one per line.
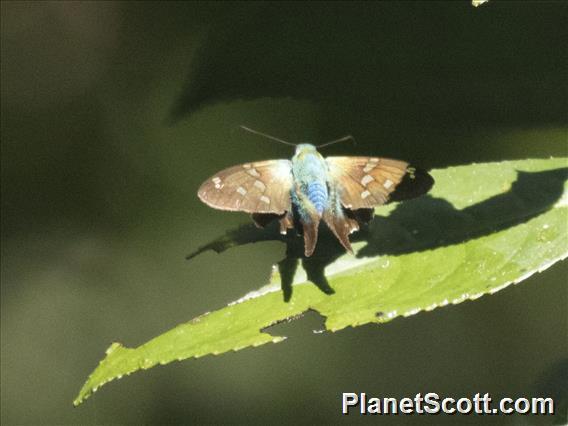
point(262, 187)
point(365, 182)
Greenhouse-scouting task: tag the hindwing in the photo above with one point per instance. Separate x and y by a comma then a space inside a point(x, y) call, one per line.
point(261, 187)
point(365, 182)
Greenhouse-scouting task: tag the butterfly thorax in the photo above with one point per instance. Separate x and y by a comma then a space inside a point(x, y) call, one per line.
point(310, 192)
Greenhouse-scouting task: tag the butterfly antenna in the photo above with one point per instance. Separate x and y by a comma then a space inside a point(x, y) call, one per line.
point(256, 132)
point(343, 139)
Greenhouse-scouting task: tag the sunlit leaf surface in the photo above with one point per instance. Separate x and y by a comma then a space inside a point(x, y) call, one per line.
point(482, 228)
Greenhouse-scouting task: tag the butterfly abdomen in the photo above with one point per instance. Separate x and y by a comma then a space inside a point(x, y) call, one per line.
point(310, 196)
point(317, 194)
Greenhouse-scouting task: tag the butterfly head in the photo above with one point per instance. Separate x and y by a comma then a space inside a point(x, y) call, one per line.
point(303, 149)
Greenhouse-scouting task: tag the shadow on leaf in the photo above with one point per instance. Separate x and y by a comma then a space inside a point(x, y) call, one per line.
point(422, 224)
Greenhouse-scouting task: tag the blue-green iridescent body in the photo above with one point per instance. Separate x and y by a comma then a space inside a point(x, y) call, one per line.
point(314, 193)
point(310, 192)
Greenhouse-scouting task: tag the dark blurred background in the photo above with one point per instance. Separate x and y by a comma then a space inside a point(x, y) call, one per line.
point(114, 113)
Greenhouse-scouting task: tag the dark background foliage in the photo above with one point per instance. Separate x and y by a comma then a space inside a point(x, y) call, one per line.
point(112, 115)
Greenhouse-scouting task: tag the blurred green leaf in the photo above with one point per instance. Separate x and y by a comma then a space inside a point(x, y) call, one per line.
point(262, 51)
point(511, 222)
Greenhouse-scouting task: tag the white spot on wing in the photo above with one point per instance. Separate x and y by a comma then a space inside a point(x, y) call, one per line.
point(388, 183)
point(366, 179)
point(371, 164)
point(260, 185)
point(253, 172)
point(217, 181)
point(265, 199)
point(241, 190)
point(365, 194)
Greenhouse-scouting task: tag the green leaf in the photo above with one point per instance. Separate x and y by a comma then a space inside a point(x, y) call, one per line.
point(482, 228)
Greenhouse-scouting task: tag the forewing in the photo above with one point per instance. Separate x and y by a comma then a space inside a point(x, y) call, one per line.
point(365, 182)
point(262, 187)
